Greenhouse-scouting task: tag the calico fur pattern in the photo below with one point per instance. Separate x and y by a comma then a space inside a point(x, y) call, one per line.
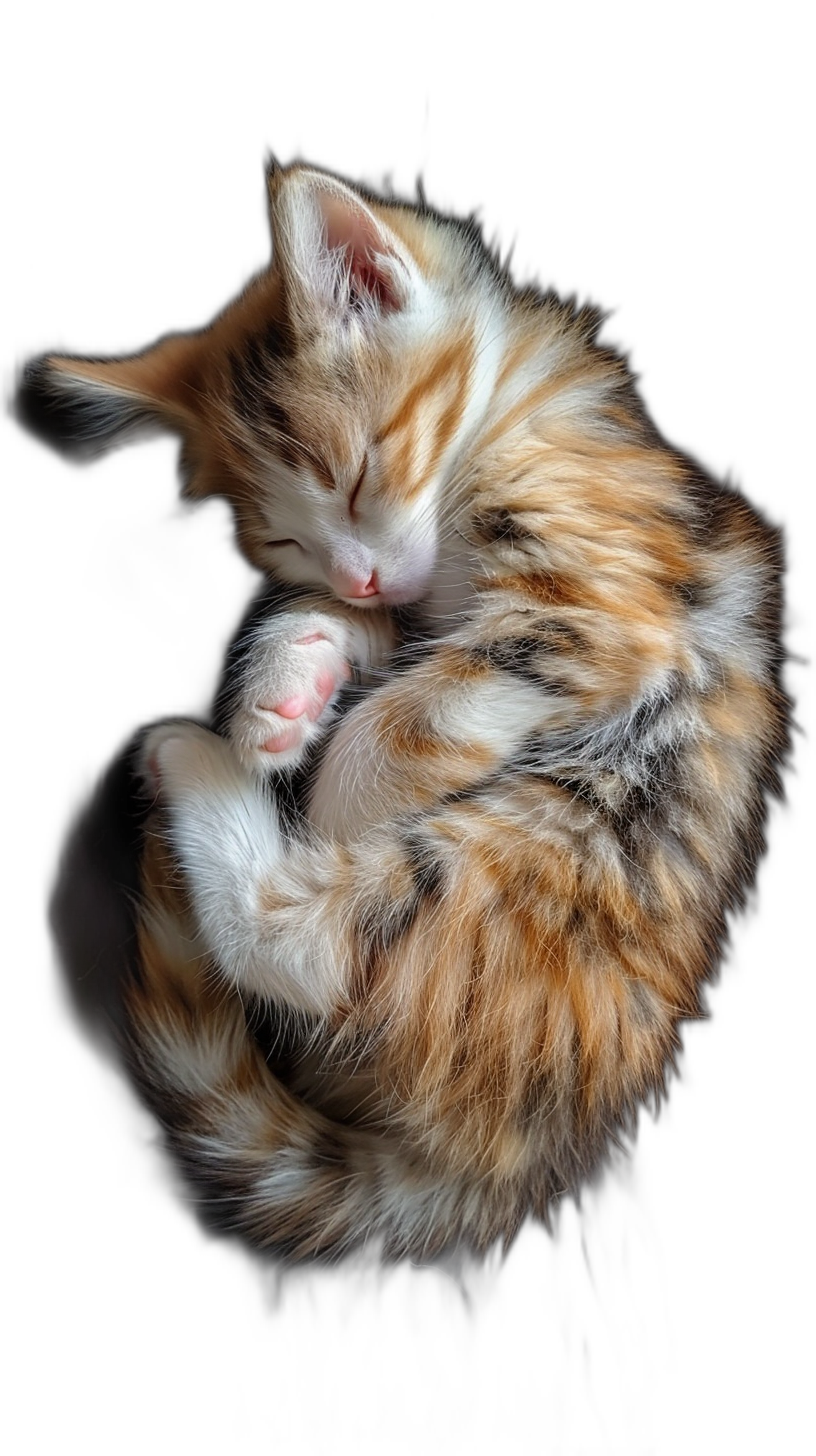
point(518, 843)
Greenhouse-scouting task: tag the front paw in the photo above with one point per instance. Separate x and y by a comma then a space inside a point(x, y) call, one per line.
point(292, 676)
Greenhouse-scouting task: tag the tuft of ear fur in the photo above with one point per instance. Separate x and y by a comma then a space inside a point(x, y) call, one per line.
point(333, 250)
point(82, 405)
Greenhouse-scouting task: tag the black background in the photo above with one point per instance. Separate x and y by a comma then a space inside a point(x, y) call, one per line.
point(139, 208)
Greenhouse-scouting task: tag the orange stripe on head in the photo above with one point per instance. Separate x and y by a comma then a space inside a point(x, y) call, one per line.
point(423, 425)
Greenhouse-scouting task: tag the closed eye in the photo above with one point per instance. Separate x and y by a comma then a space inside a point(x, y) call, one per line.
point(358, 485)
point(288, 541)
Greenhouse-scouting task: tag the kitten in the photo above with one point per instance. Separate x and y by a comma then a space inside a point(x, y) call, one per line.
point(520, 846)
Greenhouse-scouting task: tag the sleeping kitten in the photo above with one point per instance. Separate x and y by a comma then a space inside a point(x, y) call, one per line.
point(520, 846)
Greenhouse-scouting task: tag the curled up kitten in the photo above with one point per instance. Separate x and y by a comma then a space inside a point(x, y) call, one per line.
point(518, 848)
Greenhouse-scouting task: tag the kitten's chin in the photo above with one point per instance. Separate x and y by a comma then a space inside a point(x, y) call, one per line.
point(396, 598)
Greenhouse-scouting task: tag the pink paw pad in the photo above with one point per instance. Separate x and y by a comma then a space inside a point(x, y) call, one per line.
point(289, 739)
point(292, 708)
point(325, 686)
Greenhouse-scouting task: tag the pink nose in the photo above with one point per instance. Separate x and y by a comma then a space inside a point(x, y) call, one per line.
point(356, 587)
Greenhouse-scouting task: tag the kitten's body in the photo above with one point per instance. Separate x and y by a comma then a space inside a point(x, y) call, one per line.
point(520, 847)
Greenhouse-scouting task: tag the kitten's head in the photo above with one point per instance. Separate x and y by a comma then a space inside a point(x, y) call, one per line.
point(327, 403)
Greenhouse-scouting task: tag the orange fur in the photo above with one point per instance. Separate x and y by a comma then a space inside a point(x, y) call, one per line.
point(521, 847)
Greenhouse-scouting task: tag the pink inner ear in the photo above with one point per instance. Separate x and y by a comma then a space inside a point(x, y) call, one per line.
point(366, 278)
point(366, 251)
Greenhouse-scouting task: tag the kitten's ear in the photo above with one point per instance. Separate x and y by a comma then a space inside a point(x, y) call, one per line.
point(333, 252)
point(82, 405)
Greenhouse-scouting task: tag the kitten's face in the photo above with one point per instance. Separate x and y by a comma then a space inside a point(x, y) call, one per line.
point(349, 535)
point(336, 466)
point(343, 510)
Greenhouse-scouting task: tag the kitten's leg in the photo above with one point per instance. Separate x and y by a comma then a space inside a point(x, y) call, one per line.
point(271, 914)
point(290, 671)
point(277, 916)
point(440, 728)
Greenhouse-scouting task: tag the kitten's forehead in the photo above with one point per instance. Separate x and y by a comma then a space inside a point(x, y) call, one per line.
point(280, 384)
point(330, 418)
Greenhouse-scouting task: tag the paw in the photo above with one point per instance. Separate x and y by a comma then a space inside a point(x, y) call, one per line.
point(294, 671)
point(217, 820)
point(179, 758)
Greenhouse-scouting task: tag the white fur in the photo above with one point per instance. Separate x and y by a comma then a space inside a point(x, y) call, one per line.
point(225, 833)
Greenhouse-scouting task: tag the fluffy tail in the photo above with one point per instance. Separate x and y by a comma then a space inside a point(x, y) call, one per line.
point(269, 1165)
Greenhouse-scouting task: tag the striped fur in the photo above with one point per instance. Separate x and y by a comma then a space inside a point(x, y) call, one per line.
point(520, 843)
